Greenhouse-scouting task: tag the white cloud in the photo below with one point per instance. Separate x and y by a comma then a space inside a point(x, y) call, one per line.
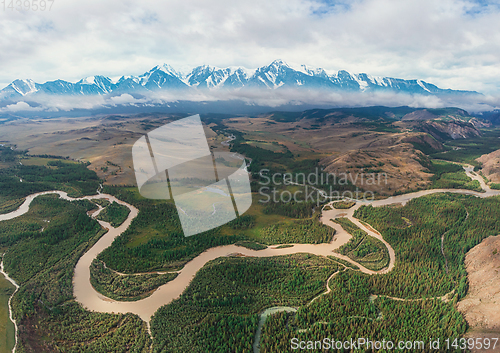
point(56, 103)
point(19, 106)
point(264, 98)
point(123, 99)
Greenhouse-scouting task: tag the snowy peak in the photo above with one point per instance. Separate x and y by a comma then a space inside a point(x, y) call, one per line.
point(279, 65)
point(95, 80)
point(169, 70)
point(99, 84)
point(87, 80)
point(24, 87)
point(276, 75)
point(199, 75)
point(212, 77)
point(159, 77)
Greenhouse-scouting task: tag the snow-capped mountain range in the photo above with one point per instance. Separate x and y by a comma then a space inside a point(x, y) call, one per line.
point(277, 76)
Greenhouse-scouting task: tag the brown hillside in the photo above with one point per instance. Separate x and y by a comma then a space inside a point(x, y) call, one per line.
point(481, 306)
point(491, 165)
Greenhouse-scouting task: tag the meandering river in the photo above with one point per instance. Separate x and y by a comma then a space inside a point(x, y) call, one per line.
point(92, 300)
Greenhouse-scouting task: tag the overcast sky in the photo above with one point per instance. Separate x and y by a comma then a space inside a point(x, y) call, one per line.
point(453, 44)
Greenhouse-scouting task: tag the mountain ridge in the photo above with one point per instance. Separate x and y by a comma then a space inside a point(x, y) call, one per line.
point(277, 75)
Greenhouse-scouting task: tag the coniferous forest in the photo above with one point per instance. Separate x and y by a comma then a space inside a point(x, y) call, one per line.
point(219, 311)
